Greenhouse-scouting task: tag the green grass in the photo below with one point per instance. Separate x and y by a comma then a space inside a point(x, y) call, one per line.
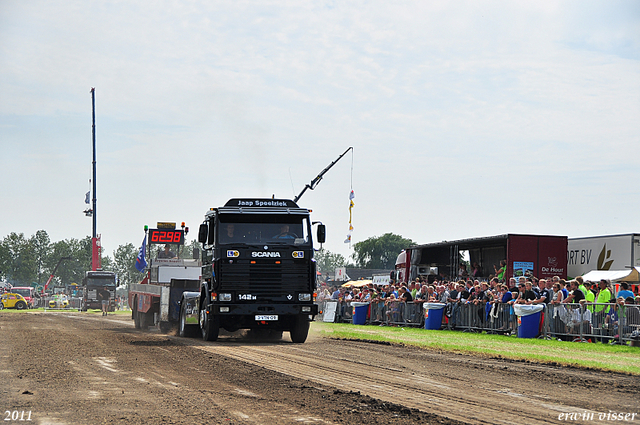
point(616, 358)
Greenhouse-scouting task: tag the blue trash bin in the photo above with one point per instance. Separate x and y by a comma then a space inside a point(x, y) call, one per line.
point(360, 311)
point(433, 315)
point(528, 319)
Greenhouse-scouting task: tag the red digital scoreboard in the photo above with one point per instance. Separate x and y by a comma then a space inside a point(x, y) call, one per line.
point(160, 236)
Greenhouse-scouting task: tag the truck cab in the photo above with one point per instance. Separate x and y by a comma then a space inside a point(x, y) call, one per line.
point(94, 282)
point(258, 270)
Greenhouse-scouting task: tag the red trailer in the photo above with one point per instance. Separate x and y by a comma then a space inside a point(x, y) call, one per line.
point(542, 256)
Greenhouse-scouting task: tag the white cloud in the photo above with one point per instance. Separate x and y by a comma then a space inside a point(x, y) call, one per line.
point(460, 113)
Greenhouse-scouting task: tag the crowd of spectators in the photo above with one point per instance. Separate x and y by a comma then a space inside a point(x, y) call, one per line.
point(467, 290)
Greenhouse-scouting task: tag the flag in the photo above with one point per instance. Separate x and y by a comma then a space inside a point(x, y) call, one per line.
point(352, 195)
point(86, 197)
point(141, 263)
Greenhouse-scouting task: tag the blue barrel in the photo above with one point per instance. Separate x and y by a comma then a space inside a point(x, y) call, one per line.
point(433, 316)
point(360, 311)
point(528, 326)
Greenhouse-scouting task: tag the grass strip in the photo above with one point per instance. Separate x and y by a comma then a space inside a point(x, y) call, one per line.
point(617, 358)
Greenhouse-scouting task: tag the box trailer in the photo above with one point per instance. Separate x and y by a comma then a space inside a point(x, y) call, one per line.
point(543, 256)
point(609, 252)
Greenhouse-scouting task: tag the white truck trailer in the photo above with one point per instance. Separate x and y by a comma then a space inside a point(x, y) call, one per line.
point(609, 252)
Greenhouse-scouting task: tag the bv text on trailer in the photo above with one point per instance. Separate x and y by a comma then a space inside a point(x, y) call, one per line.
point(543, 256)
point(610, 252)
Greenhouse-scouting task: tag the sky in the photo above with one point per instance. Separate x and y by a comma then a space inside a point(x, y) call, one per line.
point(466, 118)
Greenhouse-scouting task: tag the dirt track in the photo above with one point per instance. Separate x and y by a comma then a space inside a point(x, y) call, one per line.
point(71, 368)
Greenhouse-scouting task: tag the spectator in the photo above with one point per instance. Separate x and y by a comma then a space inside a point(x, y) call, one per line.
point(443, 294)
point(365, 295)
point(604, 296)
point(337, 294)
point(535, 287)
point(405, 295)
point(464, 292)
point(462, 271)
point(563, 286)
point(476, 270)
point(559, 313)
point(529, 294)
point(576, 295)
point(521, 289)
point(422, 295)
point(624, 292)
point(500, 272)
point(104, 296)
point(430, 293)
point(612, 318)
point(546, 293)
point(414, 289)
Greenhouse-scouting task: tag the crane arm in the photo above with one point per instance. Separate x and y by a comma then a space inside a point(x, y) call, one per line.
point(54, 272)
point(315, 181)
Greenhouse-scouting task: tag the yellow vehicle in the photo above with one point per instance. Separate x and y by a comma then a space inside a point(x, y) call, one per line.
point(59, 301)
point(13, 300)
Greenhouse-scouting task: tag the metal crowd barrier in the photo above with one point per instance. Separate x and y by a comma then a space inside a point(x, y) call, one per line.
point(74, 303)
point(573, 322)
point(390, 313)
point(591, 322)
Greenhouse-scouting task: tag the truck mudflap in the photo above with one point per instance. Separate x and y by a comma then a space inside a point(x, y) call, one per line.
point(264, 309)
point(164, 303)
point(283, 317)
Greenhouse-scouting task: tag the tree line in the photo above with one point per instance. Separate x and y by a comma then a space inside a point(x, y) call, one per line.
point(30, 261)
point(376, 252)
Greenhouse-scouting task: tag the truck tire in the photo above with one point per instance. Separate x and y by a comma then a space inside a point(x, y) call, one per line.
point(136, 320)
point(300, 330)
point(210, 326)
point(165, 327)
point(134, 314)
point(146, 320)
point(184, 330)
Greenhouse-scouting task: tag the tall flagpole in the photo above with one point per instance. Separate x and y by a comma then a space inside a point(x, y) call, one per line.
point(94, 254)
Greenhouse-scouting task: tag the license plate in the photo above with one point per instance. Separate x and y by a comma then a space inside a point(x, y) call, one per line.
point(265, 318)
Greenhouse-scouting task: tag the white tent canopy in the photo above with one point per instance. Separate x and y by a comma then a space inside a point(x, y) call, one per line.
point(629, 275)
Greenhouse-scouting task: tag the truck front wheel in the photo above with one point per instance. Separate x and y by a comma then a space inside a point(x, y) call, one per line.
point(188, 331)
point(300, 330)
point(210, 325)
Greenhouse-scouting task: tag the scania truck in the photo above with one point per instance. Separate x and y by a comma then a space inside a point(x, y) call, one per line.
point(258, 270)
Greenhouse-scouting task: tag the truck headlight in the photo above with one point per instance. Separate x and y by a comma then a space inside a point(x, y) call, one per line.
point(306, 309)
point(304, 297)
point(224, 309)
point(224, 297)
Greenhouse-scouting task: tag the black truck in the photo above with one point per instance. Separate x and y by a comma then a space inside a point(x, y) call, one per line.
point(94, 282)
point(258, 270)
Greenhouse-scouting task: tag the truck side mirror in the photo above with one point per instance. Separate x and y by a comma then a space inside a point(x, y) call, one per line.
point(322, 233)
point(203, 233)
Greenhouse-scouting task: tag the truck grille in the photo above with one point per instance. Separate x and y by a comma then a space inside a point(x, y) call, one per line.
point(265, 277)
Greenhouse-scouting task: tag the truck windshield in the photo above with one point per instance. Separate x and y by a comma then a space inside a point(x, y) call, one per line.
point(260, 229)
point(24, 292)
point(93, 281)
